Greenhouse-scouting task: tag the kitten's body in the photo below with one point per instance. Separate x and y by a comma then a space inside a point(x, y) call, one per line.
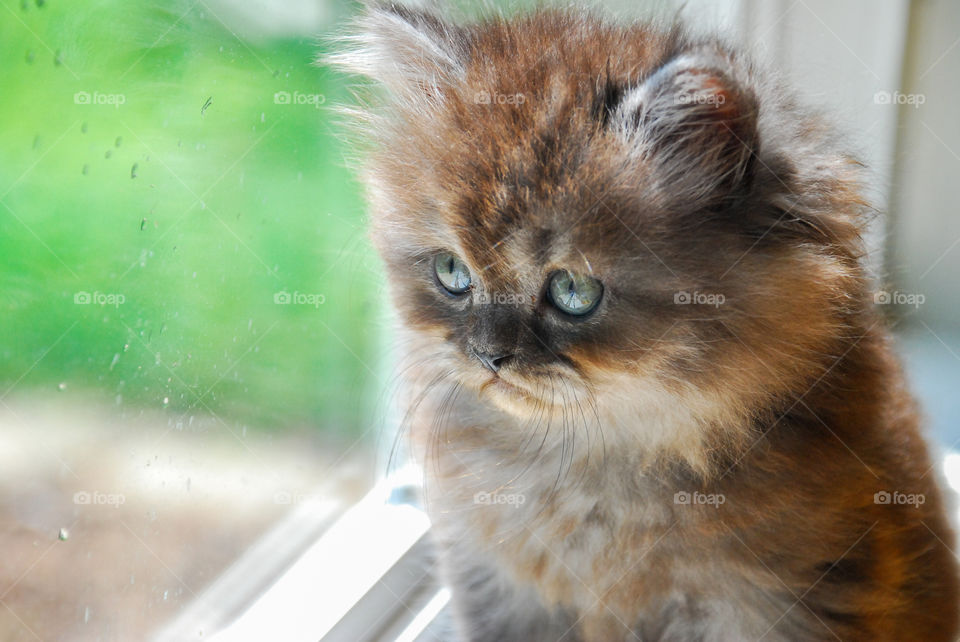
point(657, 469)
point(797, 550)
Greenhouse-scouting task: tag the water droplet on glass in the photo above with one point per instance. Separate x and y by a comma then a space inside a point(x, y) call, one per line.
point(133, 171)
point(86, 614)
point(29, 57)
point(63, 535)
point(117, 142)
point(165, 594)
point(108, 153)
point(83, 128)
point(166, 401)
point(85, 170)
point(61, 386)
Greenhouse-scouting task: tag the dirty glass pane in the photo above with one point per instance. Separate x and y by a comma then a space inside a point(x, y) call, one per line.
point(188, 323)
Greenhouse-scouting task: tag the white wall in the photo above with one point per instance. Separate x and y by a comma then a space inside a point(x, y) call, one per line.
point(925, 214)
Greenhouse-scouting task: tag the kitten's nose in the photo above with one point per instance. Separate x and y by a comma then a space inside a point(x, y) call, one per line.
point(491, 361)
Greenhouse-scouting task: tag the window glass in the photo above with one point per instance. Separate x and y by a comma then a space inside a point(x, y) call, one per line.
point(189, 314)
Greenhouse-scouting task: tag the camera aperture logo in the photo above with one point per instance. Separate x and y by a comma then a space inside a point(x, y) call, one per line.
point(696, 498)
point(298, 98)
point(298, 298)
point(96, 498)
point(499, 499)
point(896, 498)
point(99, 298)
point(97, 98)
point(699, 298)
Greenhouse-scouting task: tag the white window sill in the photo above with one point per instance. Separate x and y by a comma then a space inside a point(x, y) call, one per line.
point(367, 577)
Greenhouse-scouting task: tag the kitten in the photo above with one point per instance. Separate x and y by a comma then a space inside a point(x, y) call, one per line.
point(651, 396)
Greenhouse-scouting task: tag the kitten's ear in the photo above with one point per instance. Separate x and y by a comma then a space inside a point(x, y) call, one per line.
point(413, 53)
point(697, 124)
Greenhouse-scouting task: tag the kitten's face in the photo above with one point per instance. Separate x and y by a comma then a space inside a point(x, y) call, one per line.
point(569, 210)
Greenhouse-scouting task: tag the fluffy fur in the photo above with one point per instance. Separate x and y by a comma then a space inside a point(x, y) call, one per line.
point(699, 458)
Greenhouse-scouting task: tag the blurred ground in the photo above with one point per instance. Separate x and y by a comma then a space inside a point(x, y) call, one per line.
point(170, 507)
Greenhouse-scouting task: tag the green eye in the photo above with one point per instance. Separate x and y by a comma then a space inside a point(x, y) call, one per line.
point(453, 274)
point(575, 294)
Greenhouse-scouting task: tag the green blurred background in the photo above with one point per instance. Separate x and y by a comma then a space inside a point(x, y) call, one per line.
point(187, 175)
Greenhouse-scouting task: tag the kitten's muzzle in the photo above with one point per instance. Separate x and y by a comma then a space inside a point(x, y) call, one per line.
point(492, 361)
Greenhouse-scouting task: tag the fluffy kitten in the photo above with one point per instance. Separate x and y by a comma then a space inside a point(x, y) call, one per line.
point(651, 395)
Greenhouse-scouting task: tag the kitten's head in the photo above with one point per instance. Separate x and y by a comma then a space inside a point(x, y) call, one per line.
point(570, 210)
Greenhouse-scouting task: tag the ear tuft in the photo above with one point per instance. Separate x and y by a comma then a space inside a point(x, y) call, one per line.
point(413, 53)
point(696, 124)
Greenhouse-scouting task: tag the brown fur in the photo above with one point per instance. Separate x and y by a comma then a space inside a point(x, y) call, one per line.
point(785, 400)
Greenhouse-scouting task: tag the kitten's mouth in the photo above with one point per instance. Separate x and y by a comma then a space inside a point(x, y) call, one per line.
point(529, 398)
point(513, 394)
point(499, 390)
point(499, 384)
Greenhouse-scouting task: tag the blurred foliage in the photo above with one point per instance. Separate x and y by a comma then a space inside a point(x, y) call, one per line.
point(145, 153)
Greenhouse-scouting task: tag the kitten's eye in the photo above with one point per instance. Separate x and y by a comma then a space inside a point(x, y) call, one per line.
point(453, 274)
point(575, 294)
